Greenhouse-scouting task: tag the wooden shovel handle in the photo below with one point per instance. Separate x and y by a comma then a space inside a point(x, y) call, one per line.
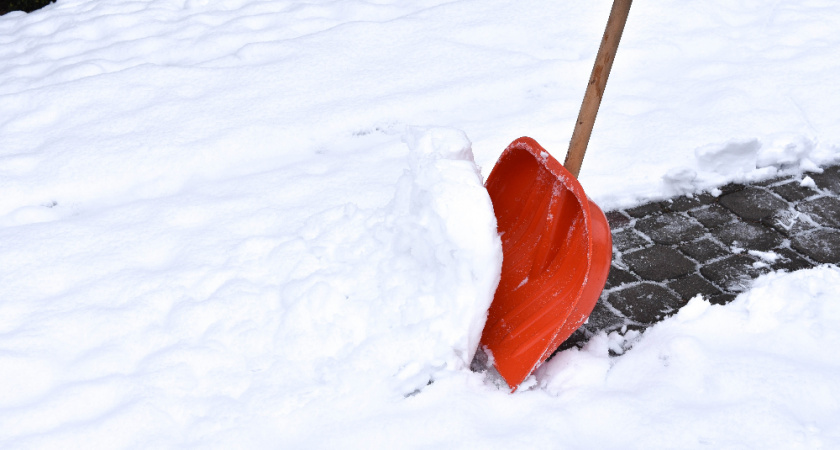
point(597, 84)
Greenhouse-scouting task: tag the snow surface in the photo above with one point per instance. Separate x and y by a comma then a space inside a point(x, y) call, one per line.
point(260, 224)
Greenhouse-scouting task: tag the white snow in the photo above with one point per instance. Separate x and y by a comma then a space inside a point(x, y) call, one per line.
point(766, 257)
point(260, 224)
point(757, 373)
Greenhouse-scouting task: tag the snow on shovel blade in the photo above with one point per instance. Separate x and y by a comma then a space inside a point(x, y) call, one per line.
point(557, 252)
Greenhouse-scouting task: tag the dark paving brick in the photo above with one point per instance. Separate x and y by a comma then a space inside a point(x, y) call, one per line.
point(749, 236)
point(617, 277)
point(685, 203)
point(659, 263)
point(703, 250)
point(646, 210)
point(824, 211)
point(821, 245)
point(713, 216)
point(732, 274)
point(731, 187)
point(828, 180)
point(721, 299)
point(752, 203)
point(575, 340)
point(645, 303)
point(793, 192)
point(617, 220)
point(671, 228)
point(603, 318)
point(628, 239)
point(692, 285)
point(789, 222)
point(789, 260)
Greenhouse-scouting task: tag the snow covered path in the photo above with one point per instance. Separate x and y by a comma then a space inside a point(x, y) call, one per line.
point(227, 223)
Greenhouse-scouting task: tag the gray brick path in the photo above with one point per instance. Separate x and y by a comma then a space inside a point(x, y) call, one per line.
point(665, 253)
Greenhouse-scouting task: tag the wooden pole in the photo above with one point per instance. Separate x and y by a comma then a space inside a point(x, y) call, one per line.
point(596, 86)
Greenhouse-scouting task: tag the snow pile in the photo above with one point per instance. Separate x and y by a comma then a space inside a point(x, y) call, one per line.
point(746, 160)
point(401, 292)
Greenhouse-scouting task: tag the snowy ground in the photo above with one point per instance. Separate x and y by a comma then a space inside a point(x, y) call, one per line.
point(228, 223)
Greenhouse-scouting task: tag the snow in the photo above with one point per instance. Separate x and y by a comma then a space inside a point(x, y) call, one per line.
point(260, 224)
point(754, 373)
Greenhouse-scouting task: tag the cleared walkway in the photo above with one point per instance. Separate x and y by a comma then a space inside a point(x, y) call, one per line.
point(665, 253)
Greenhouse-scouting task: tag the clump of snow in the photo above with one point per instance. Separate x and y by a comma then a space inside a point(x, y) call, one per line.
point(734, 157)
point(447, 255)
point(767, 258)
point(399, 293)
point(742, 160)
point(681, 180)
point(788, 151)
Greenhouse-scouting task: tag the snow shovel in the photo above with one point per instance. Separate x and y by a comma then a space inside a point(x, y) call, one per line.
point(556, 243)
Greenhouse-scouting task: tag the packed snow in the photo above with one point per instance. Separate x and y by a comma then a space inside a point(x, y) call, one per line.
point(261, 224)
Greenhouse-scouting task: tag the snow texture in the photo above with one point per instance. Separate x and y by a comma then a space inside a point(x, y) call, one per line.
point(260, 224)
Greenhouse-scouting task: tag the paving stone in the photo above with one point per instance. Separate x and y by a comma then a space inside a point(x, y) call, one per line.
point(749, 236)
point(731, 187)
point(732, 274)
point(822, 245)
point(685, 203)
point(793, 192)
point(575, 340)
point(824, 210)
point(828, 180)
point(721, 299)
point(713, 216)
point(603, 318)
point(789, 222)
point(645, 303)
point(617, 220)
point(703, 250)
point(628, 239)
point(671, 228)
point(646, 210)
point(752, 203)
point(688, 287)
point(658, 263)
point(789, 260)
point(618, 276)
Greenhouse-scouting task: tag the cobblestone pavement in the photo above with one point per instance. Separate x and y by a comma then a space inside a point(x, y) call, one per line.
point(665, 253)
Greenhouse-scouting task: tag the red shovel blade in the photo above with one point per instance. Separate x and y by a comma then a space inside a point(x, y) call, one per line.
point(557, 251)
